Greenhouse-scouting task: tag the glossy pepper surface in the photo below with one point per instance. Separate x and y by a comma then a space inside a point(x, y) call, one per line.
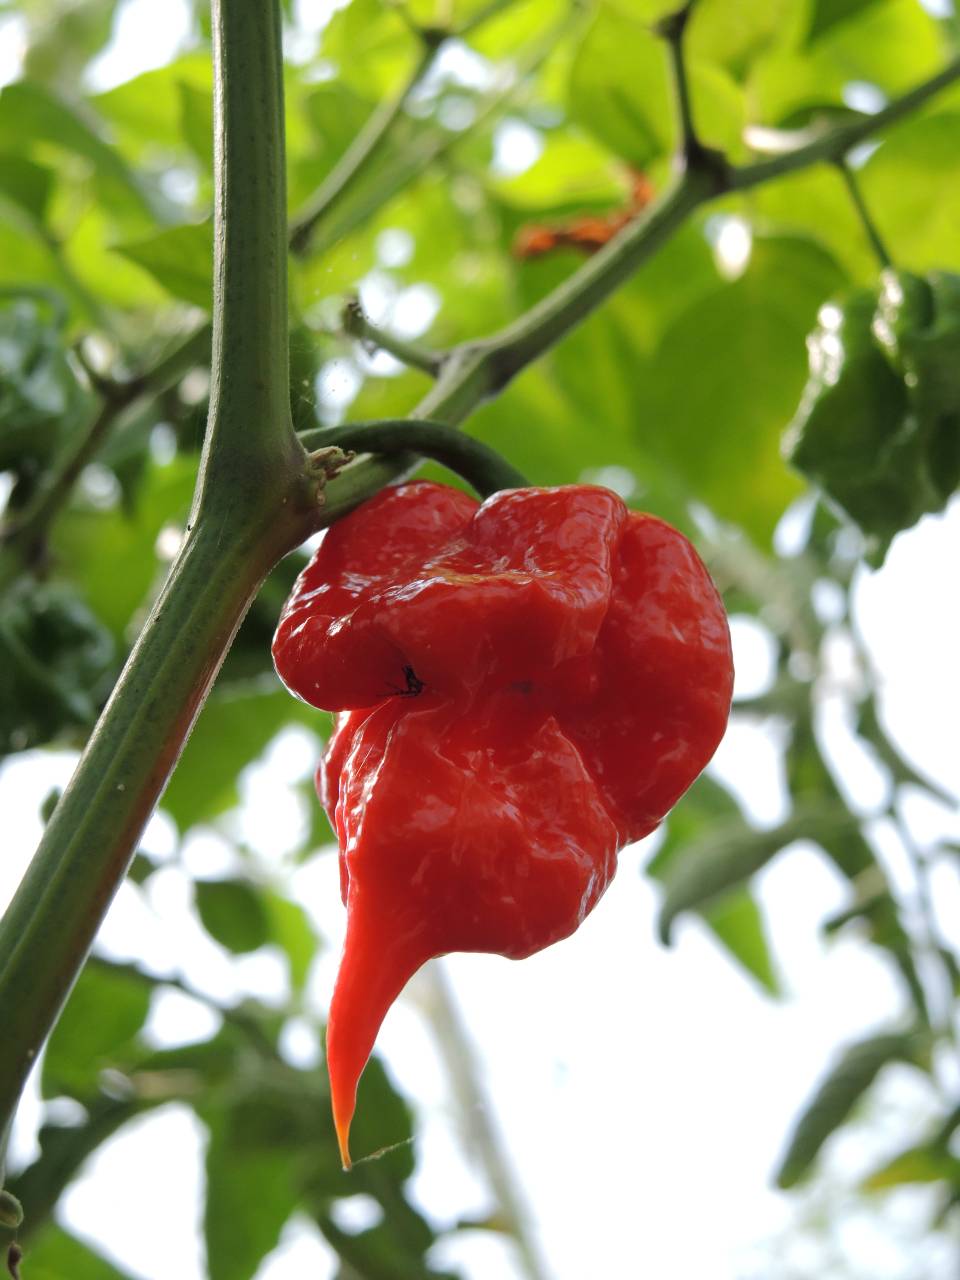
point(523, 686)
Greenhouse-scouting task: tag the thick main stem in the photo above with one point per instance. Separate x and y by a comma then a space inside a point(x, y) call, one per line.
point(253, 504)
point(58, 908)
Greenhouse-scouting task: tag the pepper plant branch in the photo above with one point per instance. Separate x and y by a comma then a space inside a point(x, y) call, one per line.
point(474, 372)
point(256, 499)
point(356, 325)
point(863, 213)
point(372, 138)
point(839, 141)
point(365, 146)
point(396, 174)
point(672, 28)
point(256, 493)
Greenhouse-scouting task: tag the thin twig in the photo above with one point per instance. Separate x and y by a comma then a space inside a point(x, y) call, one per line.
point(863, 213)
point(691, 152)
point(356, 324)
point(365, 146)
point(477, 1113)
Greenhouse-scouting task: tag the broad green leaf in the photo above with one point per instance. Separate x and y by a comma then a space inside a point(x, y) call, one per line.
point(620, 92)
point(56, 664)
point(234, 913)
point(814, 205)
point(112, 554)
point(179, 258)
point(371, 45)
point(235, 726)
point(735, 36)
point(55, 1254)
point(60, 47)
point(148, 111)
point(251, 1185)
point(729, 854)
point(853, 434)
point(726, 378)
point(735, 919)
point(31, 114)
point(846, 1082)
point(829, 13)
point(291, 929)
point(892, 45)
point(572, 172)
point(41, 403)
point(26, 183)
point(911, 184)
point(924, 1163)
point(97, 1029)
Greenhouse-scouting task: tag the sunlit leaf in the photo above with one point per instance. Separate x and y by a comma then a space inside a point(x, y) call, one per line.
point(847, 1081)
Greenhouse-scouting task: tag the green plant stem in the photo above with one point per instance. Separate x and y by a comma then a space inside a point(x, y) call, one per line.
point(368, 143)
point(255, 500)
point(863, 213)
point(27, 533)
point(482, 467)
point(356, 325)
point(476, 371)
point(397, 172)
point(838, 142)
point(673, 28)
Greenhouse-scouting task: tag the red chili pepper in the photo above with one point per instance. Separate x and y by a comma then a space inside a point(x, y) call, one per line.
point(524, 686)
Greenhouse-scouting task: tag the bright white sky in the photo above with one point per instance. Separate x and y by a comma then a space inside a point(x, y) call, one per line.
point(643, 1094)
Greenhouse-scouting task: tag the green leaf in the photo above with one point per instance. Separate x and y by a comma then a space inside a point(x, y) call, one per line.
point(730, 853)
point(726, 377)
point(251, 1185)
point(843, 1087)
point(736, 919)
point(924, 1163)
point(291, 929)
point(828, 13)
point(739, 925)
point(84, 541)
point(234, 728)
point(41, 402)
point(179, 258)
point(234, 913)
point(371, 45)
point(149, 111)
point(26, 183)
point(30, 113)
point(56, 1254)
point(878, 427)
point(97, 1029)
point(56, 663)
point(911, 184)
point(620, 92)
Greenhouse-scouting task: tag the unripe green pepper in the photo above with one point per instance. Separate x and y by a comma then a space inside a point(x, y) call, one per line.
point(917, 324)
point(878, 427)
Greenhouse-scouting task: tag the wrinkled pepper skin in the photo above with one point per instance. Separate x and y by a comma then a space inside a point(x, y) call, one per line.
point(523, 687)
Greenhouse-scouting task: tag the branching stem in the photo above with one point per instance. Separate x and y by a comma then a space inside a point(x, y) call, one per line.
point(256, 497)
point(356, 324)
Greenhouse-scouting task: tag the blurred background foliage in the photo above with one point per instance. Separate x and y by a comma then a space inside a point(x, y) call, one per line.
point(676, 393)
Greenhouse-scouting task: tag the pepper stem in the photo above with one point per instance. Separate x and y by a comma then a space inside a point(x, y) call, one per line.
point(482, 467)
